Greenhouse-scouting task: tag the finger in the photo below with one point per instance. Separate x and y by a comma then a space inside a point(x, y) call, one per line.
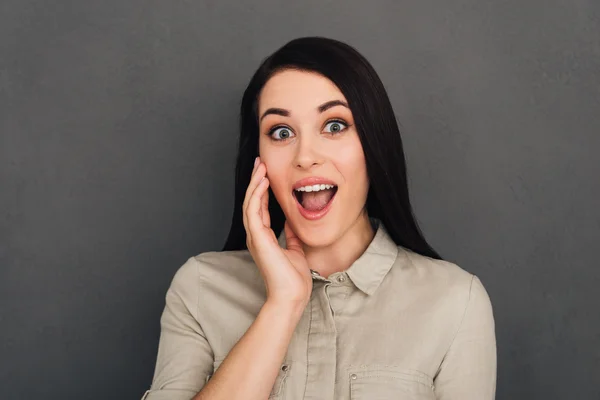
point(249, 190)
point(254, 167)
point(258, 174)
point(256, 162)
point(255, 222)
point(292, 240)
point(264, 209)
point(245, 217)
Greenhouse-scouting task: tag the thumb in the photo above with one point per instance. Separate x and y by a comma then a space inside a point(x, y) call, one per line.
point(292, 240)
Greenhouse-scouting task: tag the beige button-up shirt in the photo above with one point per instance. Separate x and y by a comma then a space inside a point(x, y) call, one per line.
point(394, 325)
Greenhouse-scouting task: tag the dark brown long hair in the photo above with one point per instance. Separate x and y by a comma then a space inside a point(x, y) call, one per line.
point(388, 199)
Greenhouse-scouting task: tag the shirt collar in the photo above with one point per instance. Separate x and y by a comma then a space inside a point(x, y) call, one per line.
point(368, 271)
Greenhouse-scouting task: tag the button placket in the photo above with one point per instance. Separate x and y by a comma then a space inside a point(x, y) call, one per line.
point(321, 345)
point(337, 293)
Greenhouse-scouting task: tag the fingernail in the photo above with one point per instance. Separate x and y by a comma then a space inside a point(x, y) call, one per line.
point(256, 161)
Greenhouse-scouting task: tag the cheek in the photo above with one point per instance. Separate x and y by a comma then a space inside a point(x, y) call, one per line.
point(277, 172)
point(351, 164)
point(277, 179)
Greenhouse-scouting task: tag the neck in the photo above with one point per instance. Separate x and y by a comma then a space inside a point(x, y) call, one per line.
point(340, 255)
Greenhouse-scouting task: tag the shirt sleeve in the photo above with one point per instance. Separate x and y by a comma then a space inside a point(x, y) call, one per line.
point(468, 371)
point(185, 359)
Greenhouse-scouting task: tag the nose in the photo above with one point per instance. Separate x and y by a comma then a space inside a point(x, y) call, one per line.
point(307, 152)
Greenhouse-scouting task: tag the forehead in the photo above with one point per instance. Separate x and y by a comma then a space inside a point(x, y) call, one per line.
point(297, 90)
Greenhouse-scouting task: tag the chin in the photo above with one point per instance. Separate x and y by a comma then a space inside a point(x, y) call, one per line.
point(314, 235)
point(320, 238)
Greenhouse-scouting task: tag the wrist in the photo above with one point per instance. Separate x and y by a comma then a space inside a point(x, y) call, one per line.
point(285, 308)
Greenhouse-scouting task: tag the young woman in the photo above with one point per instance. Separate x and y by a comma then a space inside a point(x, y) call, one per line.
point(326, 288)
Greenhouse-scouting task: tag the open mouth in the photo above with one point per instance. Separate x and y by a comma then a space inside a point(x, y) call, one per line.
point(315, 198)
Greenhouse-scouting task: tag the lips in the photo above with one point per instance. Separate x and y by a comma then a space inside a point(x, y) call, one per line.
point(313, 180)
point(314, 196)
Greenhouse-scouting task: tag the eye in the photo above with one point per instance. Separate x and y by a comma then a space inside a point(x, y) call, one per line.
point(336, 126)
point(281, 133)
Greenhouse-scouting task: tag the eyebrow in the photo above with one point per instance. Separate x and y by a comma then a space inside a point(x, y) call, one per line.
point(322, 108)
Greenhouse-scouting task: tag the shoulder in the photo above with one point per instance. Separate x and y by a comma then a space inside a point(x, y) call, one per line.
point(450, 284)
point(216, 269)
point(213, 264)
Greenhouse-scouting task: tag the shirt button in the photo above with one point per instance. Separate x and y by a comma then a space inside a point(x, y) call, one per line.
point(341, 278)
point(353, 376)
point(285, 367)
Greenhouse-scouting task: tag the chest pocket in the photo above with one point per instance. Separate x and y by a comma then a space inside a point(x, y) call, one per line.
point(385, 382)
point(279, 386)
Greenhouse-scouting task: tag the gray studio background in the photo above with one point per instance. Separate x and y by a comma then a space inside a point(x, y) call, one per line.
point(118, 125)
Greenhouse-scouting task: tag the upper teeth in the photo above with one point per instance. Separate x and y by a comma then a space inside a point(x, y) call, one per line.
point(314, 188)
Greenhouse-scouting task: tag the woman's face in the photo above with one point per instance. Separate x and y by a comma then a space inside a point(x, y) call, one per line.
point(308, 138)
